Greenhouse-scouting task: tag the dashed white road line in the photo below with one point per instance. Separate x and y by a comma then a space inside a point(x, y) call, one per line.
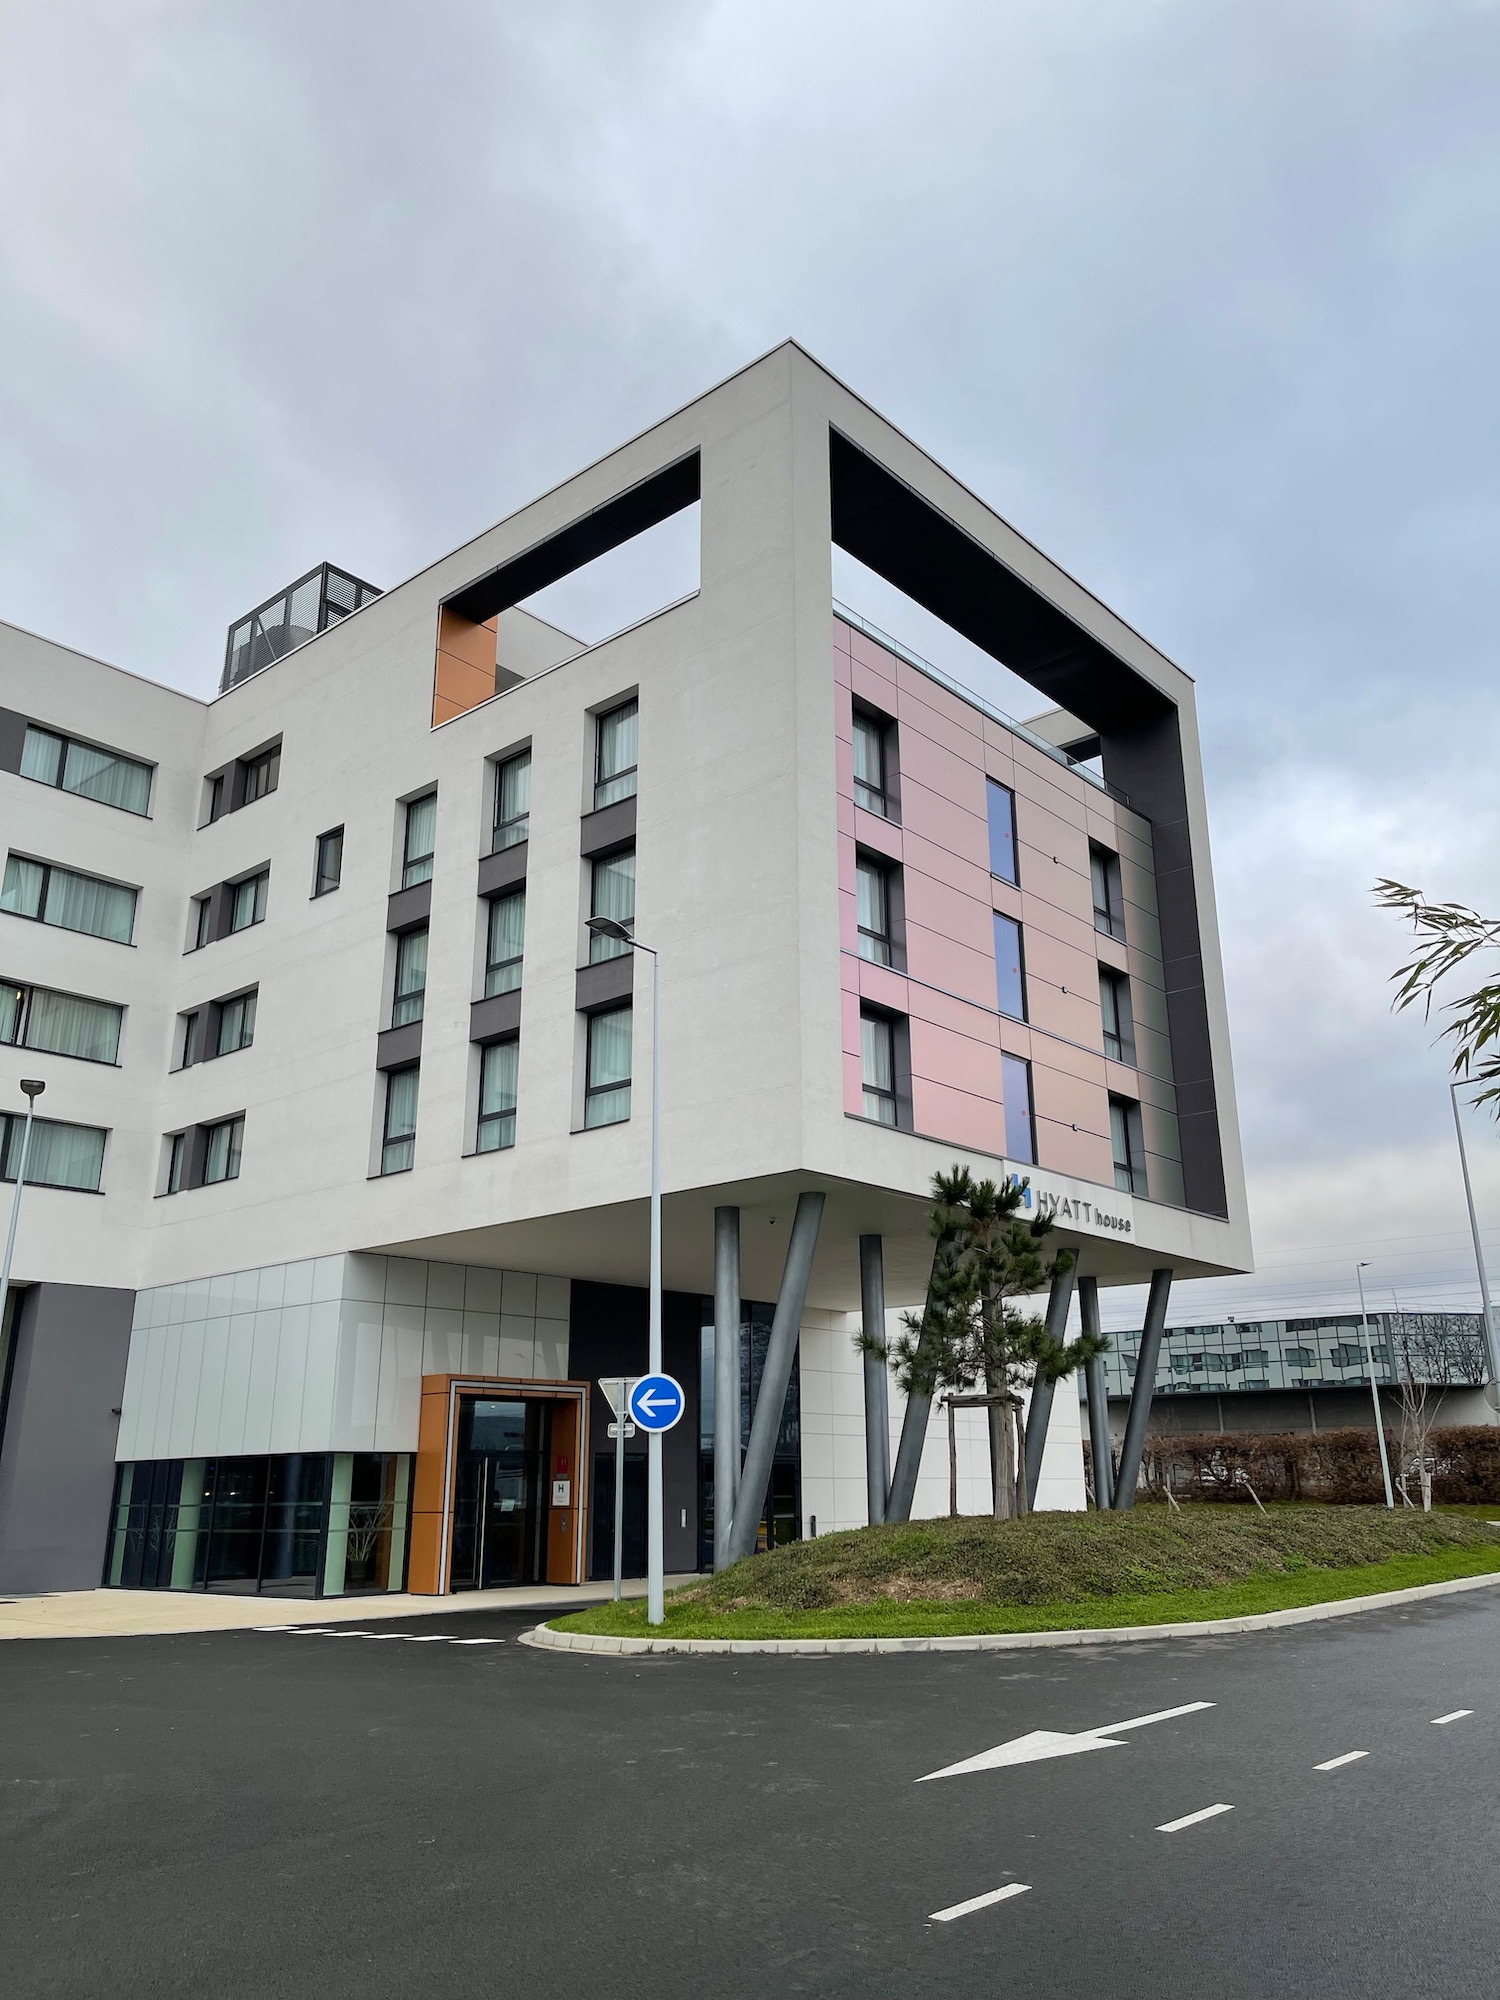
point(1336, 1763)
point(1192, 1819)
point(399, 1638)
point(980, 1902)
point(1455, 1716)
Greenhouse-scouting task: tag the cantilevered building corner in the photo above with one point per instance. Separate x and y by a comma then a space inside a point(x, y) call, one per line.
point(337, 1208)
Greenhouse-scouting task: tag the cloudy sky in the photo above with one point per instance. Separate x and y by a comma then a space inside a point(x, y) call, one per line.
point(1201, 295)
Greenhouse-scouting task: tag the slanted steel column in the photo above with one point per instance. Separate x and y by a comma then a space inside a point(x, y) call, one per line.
point(1039, 1416)
point(1099, 1445)
point(1140, 1396)
point(726, 1377)
point(770, 1399)
point(877, 1406)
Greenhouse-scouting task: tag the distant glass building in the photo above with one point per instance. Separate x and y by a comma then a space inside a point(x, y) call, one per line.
point(1439, 1349)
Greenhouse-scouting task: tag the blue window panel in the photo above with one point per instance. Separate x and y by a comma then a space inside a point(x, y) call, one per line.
point(1020, 1120)
point(1002, 810)
point(1010, 980)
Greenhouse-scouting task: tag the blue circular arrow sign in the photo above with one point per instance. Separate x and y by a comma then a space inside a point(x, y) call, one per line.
point(656, 1402)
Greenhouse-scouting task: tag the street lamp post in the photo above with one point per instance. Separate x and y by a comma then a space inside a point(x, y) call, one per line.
point(33, 1089)
point(1491, 1344)
point(655, 1611)
point(1364, 1320)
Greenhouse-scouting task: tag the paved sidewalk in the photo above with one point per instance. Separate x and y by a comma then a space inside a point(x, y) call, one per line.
point(109, 1614)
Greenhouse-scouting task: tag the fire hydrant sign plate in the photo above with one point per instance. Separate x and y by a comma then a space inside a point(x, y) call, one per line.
point(656, 1402)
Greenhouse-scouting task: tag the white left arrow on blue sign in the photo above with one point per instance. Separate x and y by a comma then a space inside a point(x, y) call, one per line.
point(1038, 1744)
point(656, 1402)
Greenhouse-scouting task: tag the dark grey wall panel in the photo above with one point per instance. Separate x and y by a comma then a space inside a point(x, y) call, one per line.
point(505, 870)
point(396, 1047)
point(493, 1019)
point(610, 827)
point(12, 739)
point(57, 1456)
point(605, 984)
point(408, 908)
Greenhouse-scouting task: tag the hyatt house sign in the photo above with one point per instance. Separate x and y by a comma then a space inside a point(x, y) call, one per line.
point(1079, 1206)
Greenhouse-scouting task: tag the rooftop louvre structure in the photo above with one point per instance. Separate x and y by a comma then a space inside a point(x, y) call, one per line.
point(348, 1152)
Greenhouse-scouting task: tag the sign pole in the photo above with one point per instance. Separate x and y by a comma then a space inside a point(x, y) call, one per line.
point(619, 1500)
point(655, 1612)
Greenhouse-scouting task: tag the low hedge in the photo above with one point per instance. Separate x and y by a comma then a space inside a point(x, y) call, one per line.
point(1341, 1467)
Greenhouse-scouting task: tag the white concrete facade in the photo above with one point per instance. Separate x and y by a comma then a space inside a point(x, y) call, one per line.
point(736, 839)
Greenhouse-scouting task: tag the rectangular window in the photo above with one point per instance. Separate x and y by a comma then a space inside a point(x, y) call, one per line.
point(177, 1147)
point(203, 917)
point(506, 943)
point(237, 1023)
point(616, 737)
point(1002, 812)
point(872, 884)
point(60, 1156)
point(411, 978)
point(72, 901)
point(93, 774)
point(877, 1058)
point(190, 1039)
point(1109, 901)
point(1114, 1010)
point(606, 1088)
point(612, 894)
point(872, 760)
point(64, 1024)
point(262, 773)
point(399, 1134)
point(1010, 971)
point(221, 1150)
point(329, 871)
point(512, 802)
point(215, 797)
point(1125, 1139)
point(248, 904)
point(498, 1067)
point(420, 841)
point(1020, 1112)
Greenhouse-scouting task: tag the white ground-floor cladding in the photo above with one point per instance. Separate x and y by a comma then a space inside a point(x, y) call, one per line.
point(372, 1423)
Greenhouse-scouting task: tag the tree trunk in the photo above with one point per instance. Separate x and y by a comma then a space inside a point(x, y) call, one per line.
point(1023, 1498)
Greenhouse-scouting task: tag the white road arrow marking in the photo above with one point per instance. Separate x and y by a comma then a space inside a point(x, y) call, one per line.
point(1038, 1744)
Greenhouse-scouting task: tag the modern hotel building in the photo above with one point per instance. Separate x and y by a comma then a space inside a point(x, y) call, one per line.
point(336, 1207)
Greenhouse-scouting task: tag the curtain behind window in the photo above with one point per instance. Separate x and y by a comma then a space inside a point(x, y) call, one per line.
point(22, 891)
point(69, 1026)
point(79, 903)
point(114, 781)
point(61, 1156)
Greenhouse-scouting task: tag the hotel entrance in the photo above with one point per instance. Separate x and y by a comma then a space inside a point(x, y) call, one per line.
point(500, 1493)
point(496, 1499)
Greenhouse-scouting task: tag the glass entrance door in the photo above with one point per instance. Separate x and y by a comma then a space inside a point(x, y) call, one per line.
point(500, 1494)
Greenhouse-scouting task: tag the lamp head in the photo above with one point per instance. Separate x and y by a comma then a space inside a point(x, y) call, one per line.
point(610, 927)
point(33, 1087)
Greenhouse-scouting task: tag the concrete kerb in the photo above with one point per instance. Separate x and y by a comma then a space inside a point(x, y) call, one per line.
point(597, 1644)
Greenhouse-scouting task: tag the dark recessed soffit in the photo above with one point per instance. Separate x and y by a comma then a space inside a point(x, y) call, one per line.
point(888, 526)
point(629, 514)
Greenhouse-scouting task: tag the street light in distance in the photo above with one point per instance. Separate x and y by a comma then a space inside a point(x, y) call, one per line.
point(32, 1087)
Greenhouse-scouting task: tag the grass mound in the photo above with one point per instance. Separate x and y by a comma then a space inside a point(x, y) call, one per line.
point(1070, 1558)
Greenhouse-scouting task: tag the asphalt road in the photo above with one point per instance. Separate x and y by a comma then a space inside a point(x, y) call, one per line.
point(289, 1813)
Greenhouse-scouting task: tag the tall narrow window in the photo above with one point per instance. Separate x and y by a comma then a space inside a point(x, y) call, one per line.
point(63, 897)
point(222, 1144)
point(399, 1133)
point(873, 886)
point(262, 774)
point(190, 1038)
point(1002, 811)
point(498, 1067)
point(506, 943)
point(103, 775)
point(203, 922)
point(248, 901)
point(177, 1147)
point(1109, 900)
point(616, 738)
point(1126, 1141)
point(606, 1088)
point(236, 1024)
point(1114, 1010)
point(877, 1064)
point(12, 1011)
point(1010, 971)
point(872, 758)
point(329, 870)
point(411, 978)
point(1020, 1113)
point(512, 802)
point(612, 894)
point(420, 841)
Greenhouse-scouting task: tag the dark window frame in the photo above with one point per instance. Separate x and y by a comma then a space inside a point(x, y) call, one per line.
point(999, 917)
point(324, 883)
point(1010, 1065)
point(882, 944)
point(497, 1119)
point(631, 771)
point(234, 1147)
point(403, 1014)
point(419, 862)
point(69, 741)
point(28, 990)
point(521, 820)
point(259, 901)
point(1125, 1123)
point(11, 1125)
point(1104, 869)
point(492, 965)
point(1010, 835)
point(389, 1139)
point(592, 1090)
point(1117, 985)
point(51, 868)
point(884, 799)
